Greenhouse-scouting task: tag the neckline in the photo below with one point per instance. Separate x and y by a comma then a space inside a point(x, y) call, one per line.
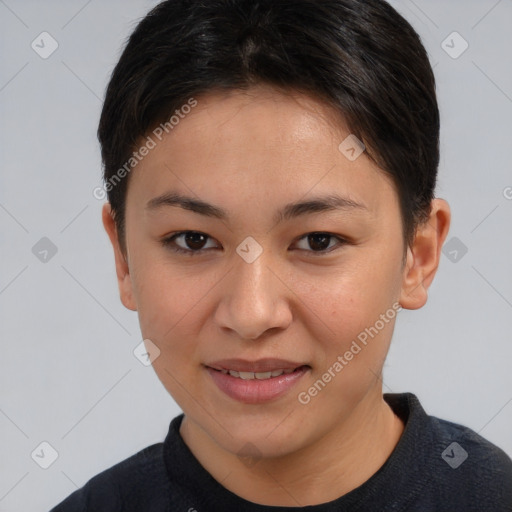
point(391, 479)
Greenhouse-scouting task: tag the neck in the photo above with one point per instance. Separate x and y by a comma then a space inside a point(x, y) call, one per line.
point(318, 473)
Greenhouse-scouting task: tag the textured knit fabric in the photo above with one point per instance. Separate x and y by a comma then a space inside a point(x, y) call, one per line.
point(436, 466)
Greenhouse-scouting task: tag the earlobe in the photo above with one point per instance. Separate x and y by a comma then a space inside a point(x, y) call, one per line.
point(124, 280)
point(424, 255)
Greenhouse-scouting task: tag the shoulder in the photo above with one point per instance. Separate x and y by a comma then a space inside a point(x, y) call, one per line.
point(448, 465)
point(469, 445)
point(469, 468)
point(136, 483)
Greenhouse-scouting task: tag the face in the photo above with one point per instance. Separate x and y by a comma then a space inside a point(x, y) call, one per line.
point(255, 245)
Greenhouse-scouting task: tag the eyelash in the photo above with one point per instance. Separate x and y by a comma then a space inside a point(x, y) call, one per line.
point(169, 243)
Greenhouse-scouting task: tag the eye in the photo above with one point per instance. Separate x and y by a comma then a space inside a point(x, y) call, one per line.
point(319, 242)
point(194, 242)
point(189, 242)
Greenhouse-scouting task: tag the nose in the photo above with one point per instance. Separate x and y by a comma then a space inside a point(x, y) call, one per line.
point(254, 300)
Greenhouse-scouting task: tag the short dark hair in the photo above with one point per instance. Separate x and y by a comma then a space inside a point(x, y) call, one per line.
point(360, 57)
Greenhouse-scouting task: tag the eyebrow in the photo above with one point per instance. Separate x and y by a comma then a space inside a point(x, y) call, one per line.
point(332, 202)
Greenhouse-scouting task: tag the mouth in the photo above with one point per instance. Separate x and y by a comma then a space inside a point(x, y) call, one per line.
point(258, 381)
point(258, 375)
point(260, 366)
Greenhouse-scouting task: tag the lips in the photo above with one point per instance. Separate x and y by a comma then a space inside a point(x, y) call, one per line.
point(255, 382)
point(259, 366)
point(256, 375)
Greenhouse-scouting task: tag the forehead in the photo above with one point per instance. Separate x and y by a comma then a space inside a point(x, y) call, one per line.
point(261, 144)
point(260, 117)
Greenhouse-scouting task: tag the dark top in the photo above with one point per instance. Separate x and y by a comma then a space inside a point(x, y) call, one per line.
point(436, 466)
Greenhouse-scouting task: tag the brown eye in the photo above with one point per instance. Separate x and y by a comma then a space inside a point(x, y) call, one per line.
point(319, 242)
point(195, 241)
point(189, 242)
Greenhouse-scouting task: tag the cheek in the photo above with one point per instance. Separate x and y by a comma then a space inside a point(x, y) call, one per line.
point(350, 320)
point(342, 312)
point(169, 298)
point(351, 296)
point(172, 311)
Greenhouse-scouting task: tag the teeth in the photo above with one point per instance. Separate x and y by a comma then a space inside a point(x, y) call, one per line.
point(263, 375)
point(256, 375)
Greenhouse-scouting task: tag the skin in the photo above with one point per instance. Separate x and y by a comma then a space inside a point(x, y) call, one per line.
point(251, 153)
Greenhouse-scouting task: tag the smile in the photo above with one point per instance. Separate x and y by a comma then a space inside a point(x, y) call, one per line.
point(270, 382)
point(256, 375)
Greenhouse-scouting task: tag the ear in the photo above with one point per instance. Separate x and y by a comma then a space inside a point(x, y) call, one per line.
point(424, 255)
point(122, 269)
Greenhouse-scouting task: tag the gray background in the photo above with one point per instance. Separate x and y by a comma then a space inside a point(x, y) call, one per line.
point(68, 375)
